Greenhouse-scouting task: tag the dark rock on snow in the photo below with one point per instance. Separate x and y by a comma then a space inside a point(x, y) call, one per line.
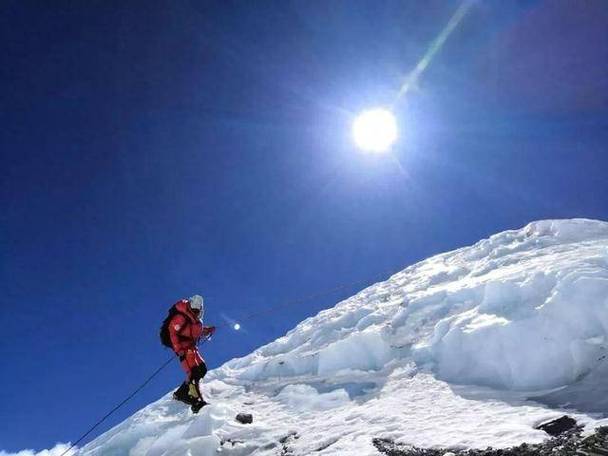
point(558, 426)
point(245, 418)
point(568, 443)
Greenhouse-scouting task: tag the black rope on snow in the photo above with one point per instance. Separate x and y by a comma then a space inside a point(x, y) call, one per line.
point(249, 316)
point(166, 363)
point(139, 388)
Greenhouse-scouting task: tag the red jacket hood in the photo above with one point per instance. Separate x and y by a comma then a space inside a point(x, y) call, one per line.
point(184, 308)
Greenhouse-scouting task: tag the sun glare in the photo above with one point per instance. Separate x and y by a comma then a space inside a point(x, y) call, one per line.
point(375, 130)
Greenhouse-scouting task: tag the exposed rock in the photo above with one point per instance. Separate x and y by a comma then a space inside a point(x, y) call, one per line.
point(557, 426)
point(567, 443)
point(245, 418)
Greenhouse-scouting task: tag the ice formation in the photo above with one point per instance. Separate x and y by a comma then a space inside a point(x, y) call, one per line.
point(428, 357)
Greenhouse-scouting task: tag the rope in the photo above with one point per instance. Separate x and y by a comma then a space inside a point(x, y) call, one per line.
point(124, 401)
point(314, 296)
point(247, 316)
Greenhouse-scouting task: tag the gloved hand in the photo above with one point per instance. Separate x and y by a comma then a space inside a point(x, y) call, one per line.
point(208, 331)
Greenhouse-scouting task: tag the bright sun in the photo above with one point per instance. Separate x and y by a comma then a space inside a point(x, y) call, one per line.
point(375, 130)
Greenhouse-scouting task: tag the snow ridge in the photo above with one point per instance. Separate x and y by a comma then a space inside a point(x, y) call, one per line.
point(523, 311)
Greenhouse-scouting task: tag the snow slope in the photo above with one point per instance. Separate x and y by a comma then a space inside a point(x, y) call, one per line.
point(444, 353)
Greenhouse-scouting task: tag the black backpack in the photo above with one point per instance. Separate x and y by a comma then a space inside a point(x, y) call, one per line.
point(165, 338)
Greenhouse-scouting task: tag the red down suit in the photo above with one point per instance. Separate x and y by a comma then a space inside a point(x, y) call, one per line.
point(185, 330)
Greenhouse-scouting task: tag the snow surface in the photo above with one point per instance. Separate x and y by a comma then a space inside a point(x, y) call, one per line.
point(445, 353)
point(61, 449)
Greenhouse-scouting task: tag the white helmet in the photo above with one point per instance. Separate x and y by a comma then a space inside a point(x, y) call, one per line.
point(196, 303)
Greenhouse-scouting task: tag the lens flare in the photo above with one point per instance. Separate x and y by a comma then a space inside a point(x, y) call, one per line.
point(435, 47)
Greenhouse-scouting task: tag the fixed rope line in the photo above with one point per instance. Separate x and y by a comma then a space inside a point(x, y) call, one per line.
point(313, 296)
point(124, 401)
point(248, 316)
point(156, 372)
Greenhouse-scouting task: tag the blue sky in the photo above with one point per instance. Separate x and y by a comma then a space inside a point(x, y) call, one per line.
point(153, 151)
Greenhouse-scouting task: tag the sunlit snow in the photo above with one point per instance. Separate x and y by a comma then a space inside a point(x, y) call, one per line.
point(445, 353)
point(61, 449)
